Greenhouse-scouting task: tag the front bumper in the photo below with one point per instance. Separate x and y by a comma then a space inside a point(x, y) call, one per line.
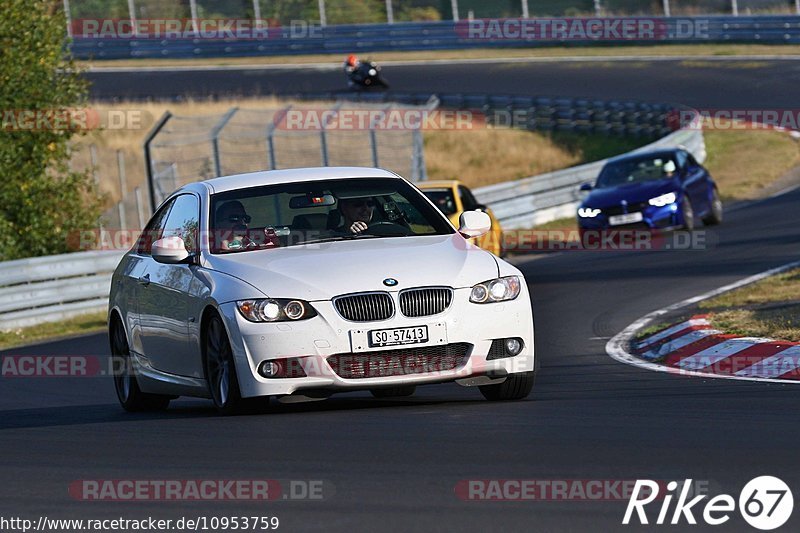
point(654, 218)
point(316, 339)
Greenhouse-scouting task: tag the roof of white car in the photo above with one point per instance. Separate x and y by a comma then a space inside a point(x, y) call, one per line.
point(271, 177)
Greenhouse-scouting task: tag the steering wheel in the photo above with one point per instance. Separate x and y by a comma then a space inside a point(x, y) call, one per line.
point(386, 229)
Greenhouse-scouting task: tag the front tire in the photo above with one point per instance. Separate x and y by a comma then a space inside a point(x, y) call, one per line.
point(715, 216)
point(130, 396)
point(688, 215)
point(223, 384)
point(515, 387)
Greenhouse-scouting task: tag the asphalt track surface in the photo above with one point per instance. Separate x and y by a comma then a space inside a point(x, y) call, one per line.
point(394, 464)
point(742, 84)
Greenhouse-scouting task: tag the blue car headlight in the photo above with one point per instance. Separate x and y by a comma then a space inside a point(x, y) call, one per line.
point(664, 199)
point(588, 212)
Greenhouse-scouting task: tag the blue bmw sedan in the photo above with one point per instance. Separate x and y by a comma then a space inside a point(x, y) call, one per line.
point(661, 190)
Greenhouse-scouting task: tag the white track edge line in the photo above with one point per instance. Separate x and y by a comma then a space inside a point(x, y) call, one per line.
point(616, 347)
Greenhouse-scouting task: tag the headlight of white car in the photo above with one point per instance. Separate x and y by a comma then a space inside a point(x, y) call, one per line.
point(588, 212)
point(496, 290)
point(275, 310)
point(664, 199)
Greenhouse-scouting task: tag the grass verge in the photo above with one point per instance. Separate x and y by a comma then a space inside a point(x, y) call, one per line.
point(769, 308)
point(721, 50)
point(88, 323)
point(485, 157)
point(746, 162)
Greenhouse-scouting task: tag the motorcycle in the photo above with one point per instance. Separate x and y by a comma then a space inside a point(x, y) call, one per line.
point(365, 75)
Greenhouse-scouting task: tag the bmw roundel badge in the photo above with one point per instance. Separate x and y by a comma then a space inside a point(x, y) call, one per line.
point(390, 282)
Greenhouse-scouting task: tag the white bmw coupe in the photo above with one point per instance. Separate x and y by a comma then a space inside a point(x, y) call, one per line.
point(297, 284)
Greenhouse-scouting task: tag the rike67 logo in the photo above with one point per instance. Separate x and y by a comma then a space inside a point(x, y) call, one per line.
point(765, 503)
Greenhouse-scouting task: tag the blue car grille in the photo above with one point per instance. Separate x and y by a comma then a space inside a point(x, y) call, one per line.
point(618, 209)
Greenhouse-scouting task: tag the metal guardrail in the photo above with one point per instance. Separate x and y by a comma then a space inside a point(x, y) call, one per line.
point(344, 39)
point(53, 288)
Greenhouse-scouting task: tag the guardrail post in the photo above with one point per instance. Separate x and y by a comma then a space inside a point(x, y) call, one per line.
point(193, 9)
point(137, 192)
point(418, 170)
point(215, 131)
point(525, 9)
point(148, 159)
point(323, 141)
point(454, 7)
point(735, 8)
point(323, 21)
point(123, 190)
point(132, 15)
point(279, 117)
point(666, 8)
point(68, 16)
point(389, 12)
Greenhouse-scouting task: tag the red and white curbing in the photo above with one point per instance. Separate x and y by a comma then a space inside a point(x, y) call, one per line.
point(694, 348)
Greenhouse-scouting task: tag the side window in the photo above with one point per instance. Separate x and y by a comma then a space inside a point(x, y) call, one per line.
point(692, 161)
point(153, 230)
point(682, 158)
point(184, 221)
point(467, 200)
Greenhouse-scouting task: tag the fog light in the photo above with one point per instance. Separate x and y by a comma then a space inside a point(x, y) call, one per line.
point(513, 346)
point(282, 368)
point(270, 369)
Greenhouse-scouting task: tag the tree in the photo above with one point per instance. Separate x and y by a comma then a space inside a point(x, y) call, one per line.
point(42, 201)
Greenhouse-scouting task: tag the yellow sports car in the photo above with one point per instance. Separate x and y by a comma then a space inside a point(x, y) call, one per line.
point(453, 198)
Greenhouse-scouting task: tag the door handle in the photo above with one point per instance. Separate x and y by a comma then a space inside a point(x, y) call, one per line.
point(144, 280)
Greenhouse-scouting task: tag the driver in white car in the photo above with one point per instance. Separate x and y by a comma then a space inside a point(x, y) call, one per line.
point(357, 214)
point(232, 221)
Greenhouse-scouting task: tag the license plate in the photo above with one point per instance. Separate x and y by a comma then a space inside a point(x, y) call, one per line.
point(397, 336)
point(627, 218)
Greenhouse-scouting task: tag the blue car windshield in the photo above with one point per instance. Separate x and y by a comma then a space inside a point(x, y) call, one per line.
point(639, 170)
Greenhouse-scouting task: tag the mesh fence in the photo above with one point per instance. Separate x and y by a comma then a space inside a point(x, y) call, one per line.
point(195, 148)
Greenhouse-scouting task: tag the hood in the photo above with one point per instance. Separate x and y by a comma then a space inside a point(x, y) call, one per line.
point(322, 271)
point(632, 192)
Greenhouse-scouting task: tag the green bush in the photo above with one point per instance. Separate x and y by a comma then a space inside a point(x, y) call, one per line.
point(42, 201)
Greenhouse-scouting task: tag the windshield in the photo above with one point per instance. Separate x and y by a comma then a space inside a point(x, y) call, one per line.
point(443, 199)
point(648, 168)
point(277, 216)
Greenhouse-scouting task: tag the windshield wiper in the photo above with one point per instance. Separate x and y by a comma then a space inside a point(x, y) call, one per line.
point(342, 238)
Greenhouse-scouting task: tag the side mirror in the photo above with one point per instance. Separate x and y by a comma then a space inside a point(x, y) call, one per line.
point(169, 250)
point(586, 187)
point(474, 224)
